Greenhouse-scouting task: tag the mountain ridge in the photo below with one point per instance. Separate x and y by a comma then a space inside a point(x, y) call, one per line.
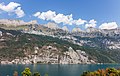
point(101, 46)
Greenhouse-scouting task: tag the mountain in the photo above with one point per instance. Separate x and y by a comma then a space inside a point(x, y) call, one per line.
point(14, 23)
point(55, 45)
point(22, 48)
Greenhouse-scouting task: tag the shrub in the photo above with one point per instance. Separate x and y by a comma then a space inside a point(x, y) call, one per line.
point(36, 74)
point(103, 72)
point(26, 72)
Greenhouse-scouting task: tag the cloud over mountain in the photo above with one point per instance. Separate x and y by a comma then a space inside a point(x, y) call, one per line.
point(19, 12)
point(76, 30)
point(92, 23)
point(12, 7)
point(111, 25)
point(51, 25)
point(59, 18)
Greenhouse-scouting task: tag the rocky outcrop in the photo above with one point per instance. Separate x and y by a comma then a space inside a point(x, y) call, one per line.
point(9, 22)
point(75, 57)
point(0, 33)
point(51, 55)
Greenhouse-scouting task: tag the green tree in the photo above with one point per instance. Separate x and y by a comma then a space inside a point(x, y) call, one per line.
point(36, 74)
point(26, 72)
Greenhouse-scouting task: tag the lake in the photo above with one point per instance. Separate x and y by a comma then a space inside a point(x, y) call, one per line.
point(54, 69)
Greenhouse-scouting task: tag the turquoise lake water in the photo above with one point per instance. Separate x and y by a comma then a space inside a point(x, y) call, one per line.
point(54, 69)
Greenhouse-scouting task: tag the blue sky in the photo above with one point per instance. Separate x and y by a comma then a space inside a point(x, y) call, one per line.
point(102, 11)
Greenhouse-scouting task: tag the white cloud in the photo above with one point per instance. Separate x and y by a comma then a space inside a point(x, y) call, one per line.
point(79, 22)
point(92, 23)
point(111, 25)
point(36, 14)
point(19, 12)
point(49, 15)
point(65, 28)
point(46, 15)
point(76, 30)
point(12, 7)
point(59, 18)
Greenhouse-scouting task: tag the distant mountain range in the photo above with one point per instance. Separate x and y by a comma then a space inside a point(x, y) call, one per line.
point(18, 39)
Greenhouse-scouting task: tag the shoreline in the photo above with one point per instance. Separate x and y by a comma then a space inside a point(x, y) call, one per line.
point(63, 64)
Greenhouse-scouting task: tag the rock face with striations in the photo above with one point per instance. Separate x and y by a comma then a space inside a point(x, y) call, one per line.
point(51, 55)
point(75, 57)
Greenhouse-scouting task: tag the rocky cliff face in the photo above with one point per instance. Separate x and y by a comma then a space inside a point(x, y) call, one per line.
point(51, 55)
point(21, 49)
